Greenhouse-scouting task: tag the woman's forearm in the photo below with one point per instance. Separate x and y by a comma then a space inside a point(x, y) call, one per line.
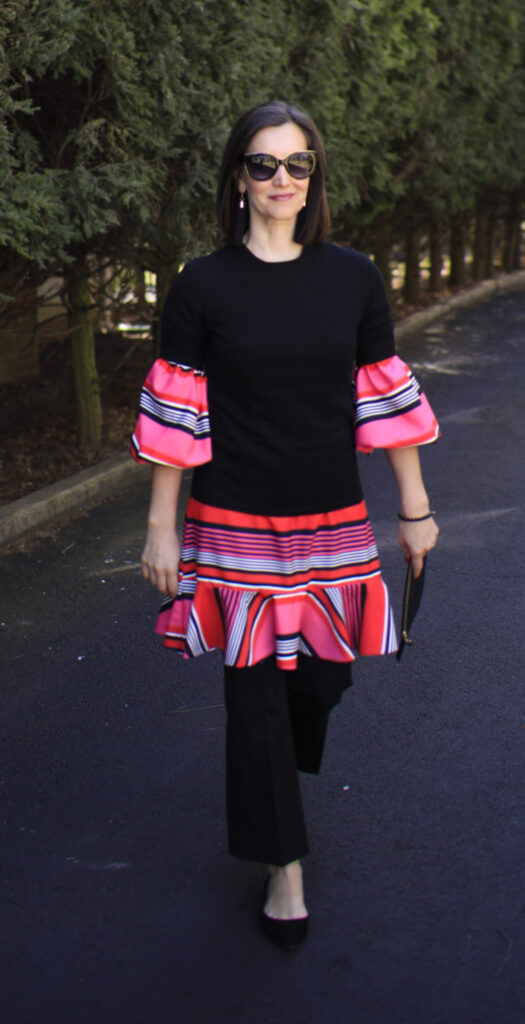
point(160, 558)
point(165, 487)
point(418, 535)
point(406, 468)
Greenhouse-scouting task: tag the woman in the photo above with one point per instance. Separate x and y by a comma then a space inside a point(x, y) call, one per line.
point(279, 568)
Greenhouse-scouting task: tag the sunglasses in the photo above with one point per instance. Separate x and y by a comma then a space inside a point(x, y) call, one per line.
point(263, 166)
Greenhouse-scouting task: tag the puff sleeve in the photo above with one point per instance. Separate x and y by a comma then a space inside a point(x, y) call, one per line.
point(390, 409)
point(173, 426)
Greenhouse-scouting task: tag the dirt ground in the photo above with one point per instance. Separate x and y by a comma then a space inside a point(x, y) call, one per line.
point(37, 415)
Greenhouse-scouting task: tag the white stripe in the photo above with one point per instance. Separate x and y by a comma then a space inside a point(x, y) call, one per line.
point(175, 415)
point(392, 401)
point(238, 630)
point(195, 636)
point(336, 599)
point(280, 567)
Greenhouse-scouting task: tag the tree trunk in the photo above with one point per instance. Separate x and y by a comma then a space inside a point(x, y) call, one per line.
point(458, 272)
point(383, 249)
point(512, 248)
point(85, 378)
point(481, 241)
point(166, 274)
point(488, 264)
point(411, 282)
point(435, 280)
point(139, 288)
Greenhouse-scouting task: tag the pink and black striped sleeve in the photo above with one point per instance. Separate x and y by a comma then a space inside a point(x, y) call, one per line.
point(390, 409)
point(173, 427)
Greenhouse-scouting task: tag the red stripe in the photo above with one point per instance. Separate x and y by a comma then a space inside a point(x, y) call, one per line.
point(278, 524)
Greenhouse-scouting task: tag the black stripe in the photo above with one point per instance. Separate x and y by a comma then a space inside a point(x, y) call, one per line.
point(175, 426)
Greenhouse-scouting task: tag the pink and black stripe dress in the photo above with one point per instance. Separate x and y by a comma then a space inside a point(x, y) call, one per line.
point(270, 376)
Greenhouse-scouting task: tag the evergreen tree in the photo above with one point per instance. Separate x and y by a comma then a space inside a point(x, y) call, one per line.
point(90, 95)
point(114, 117)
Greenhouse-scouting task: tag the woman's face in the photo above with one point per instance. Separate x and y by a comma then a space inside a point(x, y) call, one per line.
point(282, 197)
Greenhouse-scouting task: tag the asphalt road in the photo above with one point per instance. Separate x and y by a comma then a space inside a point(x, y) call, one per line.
point(120, 904)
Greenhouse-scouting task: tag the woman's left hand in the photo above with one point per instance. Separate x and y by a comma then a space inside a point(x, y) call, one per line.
point(417, 539)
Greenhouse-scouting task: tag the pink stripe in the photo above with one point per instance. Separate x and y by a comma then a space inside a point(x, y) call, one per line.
point(168, 446)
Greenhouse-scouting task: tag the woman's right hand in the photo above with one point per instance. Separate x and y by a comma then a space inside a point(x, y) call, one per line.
point(160, 560)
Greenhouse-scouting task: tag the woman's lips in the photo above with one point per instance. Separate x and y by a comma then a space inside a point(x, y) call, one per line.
point(280, 196)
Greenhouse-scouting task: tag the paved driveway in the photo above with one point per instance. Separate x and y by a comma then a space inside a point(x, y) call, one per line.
point(120, 904)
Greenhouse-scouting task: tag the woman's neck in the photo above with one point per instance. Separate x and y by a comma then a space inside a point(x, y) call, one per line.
point(273, 243)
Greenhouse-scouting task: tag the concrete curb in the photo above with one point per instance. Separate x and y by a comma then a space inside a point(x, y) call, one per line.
point(416, 321)
point(40, 508)
point(22, 517)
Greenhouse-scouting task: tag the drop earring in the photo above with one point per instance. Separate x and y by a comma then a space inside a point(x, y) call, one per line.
point(241, 220)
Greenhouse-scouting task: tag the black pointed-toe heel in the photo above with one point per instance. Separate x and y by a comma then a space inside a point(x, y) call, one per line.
point(287, 933)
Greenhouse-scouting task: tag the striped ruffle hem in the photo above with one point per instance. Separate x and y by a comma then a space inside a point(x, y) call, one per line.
point(255, 586)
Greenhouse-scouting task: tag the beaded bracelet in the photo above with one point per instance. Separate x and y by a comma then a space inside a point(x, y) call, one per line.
point(415, 519)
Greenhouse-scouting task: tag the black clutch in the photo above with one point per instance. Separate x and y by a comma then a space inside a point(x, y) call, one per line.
point(411, 600)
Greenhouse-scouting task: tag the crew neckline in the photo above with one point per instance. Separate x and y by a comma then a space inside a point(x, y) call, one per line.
point(274, 263)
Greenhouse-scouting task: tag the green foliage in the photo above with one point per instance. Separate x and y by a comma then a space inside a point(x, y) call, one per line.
point(382, 77)
point(88, 115)
point(234, 55)
point(114, 114)
point(463, 137)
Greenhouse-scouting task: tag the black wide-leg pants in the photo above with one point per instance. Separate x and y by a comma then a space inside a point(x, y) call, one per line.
point(276, 724)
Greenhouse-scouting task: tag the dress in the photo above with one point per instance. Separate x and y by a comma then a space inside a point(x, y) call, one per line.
point(270, 376)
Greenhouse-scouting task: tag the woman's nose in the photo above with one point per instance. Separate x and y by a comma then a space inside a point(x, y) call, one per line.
point(281, 175)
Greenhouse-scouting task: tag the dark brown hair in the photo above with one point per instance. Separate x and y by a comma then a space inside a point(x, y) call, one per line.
point(313, 221)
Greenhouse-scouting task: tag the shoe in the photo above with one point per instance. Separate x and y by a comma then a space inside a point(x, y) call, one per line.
point(286, 933)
